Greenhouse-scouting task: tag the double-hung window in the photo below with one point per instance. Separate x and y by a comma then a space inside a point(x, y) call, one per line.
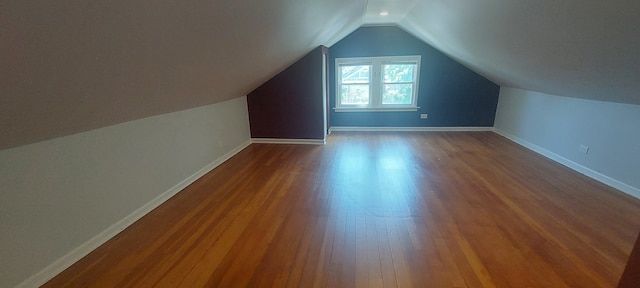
point(377, 83)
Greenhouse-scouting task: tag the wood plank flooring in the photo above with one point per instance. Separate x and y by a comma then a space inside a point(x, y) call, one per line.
point(433, 209)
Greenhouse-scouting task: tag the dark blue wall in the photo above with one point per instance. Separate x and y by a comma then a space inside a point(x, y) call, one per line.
point(290, 104)
point(450, 93)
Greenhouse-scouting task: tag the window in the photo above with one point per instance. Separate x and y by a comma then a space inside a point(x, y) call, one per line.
point(377, 83)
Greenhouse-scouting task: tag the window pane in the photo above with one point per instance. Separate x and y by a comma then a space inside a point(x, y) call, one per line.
point(398, 73)
point(354, 94)
point(397, 94)
point(355, 74)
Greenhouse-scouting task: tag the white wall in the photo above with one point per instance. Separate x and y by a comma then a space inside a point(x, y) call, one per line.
point(74, 192)
point(556, 126)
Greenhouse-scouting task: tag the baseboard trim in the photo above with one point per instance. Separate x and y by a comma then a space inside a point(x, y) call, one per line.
point(288, 141)
point(407, 129)
point(635, 192)
point(83, 250)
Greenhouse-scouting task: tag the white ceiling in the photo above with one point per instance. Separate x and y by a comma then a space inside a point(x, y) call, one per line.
point(396, 10)
point(585, 49)
point(74, 65)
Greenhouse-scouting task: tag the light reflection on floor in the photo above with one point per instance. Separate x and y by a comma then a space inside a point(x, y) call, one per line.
point(379, 179)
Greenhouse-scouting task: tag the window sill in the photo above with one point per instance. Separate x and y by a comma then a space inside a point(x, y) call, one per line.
point(405, 109)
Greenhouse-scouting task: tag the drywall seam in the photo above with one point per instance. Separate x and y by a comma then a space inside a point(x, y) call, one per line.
point(635, 192)
point(72, 257)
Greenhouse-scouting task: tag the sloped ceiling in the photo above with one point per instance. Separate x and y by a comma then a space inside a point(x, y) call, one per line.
point(75, 65)
point(585, 49)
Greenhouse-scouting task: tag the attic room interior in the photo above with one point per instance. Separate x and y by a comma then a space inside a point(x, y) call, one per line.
point(365, 143)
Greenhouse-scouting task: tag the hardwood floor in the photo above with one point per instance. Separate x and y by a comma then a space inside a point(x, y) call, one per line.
point(434, 209)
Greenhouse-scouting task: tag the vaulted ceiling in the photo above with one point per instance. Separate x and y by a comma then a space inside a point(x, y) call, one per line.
point(585, 49)
point(75, 65)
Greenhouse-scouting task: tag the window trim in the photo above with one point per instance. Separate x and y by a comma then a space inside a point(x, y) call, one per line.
point(376, 83)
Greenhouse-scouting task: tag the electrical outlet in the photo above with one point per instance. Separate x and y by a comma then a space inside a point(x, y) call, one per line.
point(423, 116)
point(583, 148)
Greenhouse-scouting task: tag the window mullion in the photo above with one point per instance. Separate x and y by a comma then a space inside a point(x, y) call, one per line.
point(372, 88)
point(377, 80)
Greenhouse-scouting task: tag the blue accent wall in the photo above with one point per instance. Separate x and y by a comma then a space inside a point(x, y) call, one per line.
point(452, 95)
point(289, 105)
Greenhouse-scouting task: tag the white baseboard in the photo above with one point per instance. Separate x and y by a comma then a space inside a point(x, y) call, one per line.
point(72, 257)
point(406, 129)
point(288, 141)
point(635, 192)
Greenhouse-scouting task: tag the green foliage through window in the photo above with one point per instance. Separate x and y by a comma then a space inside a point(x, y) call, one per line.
point(377, 83)
point(398, 73)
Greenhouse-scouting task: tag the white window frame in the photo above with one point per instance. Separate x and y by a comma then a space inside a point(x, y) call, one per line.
point(376, 83)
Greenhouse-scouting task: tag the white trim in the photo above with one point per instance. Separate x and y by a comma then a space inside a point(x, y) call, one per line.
point(288, 141)
point(635, 192)
point(407, 129)
point(83, 250)
point(376, 82)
